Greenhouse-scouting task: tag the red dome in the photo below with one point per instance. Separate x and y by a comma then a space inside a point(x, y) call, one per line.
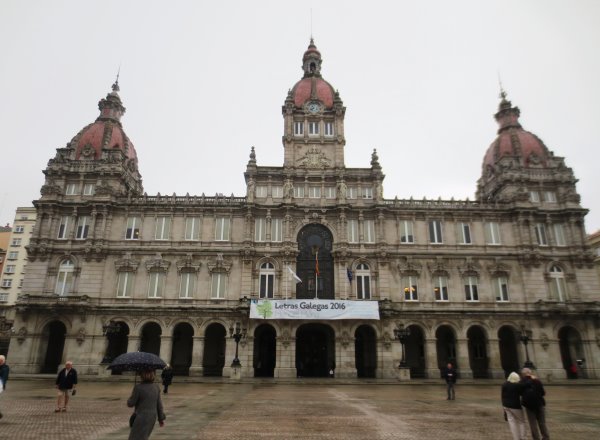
point(323, 91)
point(517, 142)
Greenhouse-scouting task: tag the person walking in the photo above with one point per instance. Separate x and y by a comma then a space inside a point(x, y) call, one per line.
point(3, 375)
point(449, 374)
point(534, 403)
point(66, 382)
point(167, 378)
point(145, 397)
point(512, 390)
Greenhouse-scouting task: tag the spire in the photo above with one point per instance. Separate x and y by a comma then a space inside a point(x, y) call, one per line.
point(111, 107)
point(507, 115)
point(311, 61)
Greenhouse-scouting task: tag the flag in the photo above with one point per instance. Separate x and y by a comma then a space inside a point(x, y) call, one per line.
point(317, 264)
point(294, 276)
point(349, 273)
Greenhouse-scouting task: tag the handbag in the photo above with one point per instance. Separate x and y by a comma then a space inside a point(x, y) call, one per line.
point(132, 419)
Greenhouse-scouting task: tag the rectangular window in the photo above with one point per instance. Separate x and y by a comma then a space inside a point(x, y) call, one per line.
point(19, 229)
point(351, 192)
point(12, 255)
point(329, 129)
point(330, 192)
point(218, 286)
point(367, 193)
point(192, 228)
point(369, 226)
point(435, 231)
point(464, 233)
point(63, 228)
point(261, 191)
point(559, 235)
point(83, 227)
point(558, 289)
point(88, 189)
point(162, 230)
point(6, 282)
point(266, 285)
point(550, 196)
point(363, 287)
point(406, 231)
point(71, 189)
point(277, 191)
point(15, 242)
point(186, 288)
point(64, 283)
point(440, 288)
point(314, 192)
point(133, 228)
point(10, 268)
point(276, 229)
point(492, 233)
point(260, 229)
point(500, 285)
point(125, 284)
point(534, 196)
point(471, 293)
point(313, 128)
point(298, 128)
point(353, 231)
point(299, 191)
point(409, 286)
point(540, 234)
point(222, 229)
point(156, 286)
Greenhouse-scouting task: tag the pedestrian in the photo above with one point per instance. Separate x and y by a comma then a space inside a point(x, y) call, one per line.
point(449, 374)
point(3, 375)
point(534, 403)
point(145, 397)
point(66, 382)
point(167, 378)
point(512, 390)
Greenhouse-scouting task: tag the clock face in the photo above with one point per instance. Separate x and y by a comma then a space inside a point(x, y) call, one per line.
point(313, 107)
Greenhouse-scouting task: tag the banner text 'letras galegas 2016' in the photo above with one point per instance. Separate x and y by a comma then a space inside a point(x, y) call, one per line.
point(313, 309)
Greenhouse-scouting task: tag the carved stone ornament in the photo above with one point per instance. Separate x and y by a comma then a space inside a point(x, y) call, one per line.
point(285, 338)
point(158, 263)
point(314, 159)
point(50, 189)
point(219, 264)
point(387, 340)
point(80, 336)
point(21, 335)
point(88, 151)
point(127, 264)
point(188, 264)
point(544, 342)
point(345, 339)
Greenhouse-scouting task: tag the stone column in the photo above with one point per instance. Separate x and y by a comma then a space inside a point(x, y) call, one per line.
point(133, 343)
point(166, 348)
point(196, 369)
point(431, 366)
point(495, 362)
point(285, 356)
point(462, 358)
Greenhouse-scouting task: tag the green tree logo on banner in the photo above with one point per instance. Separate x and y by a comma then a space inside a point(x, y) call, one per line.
point(264, 309)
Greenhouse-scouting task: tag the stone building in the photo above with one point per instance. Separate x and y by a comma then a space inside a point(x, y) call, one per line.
point(487, 284)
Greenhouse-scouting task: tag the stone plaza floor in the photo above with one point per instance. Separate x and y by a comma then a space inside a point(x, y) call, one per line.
point(299, 410)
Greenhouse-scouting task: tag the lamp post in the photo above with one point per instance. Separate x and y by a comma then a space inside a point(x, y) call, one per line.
point(525, 336)
point(237, 334)
point(401, 333)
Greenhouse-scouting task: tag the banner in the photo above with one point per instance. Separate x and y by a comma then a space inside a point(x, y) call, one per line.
point(313, 309)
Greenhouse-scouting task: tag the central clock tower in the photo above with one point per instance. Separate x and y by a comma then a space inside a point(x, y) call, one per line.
point(313, 119)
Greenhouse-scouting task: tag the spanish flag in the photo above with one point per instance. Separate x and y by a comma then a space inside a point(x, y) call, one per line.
point(317, 264)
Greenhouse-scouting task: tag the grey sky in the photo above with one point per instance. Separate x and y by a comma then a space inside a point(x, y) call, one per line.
point(204, 81)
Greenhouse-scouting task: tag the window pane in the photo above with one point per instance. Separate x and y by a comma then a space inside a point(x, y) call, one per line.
point(369, 231)
point(125, 283)
point(435, 231)
point(559, 235)
point(353, 231)
point(133, 228)
point(260, 225)
point(192, 228)
point(63, 228)
point(406, 231)
point(276, 229)
point(186, 289)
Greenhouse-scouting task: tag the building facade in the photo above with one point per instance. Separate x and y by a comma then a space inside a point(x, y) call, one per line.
point(487, 284)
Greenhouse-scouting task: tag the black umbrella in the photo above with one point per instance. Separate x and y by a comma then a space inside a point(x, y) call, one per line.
point(137, 361)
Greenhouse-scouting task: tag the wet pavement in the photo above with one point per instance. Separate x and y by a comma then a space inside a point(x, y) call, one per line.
point(299, 410)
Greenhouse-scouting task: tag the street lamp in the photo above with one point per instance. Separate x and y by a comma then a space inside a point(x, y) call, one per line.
point(401, 333)
point(237, 333)
point(525, 336)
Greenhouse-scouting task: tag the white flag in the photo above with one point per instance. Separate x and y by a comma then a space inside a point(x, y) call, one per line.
point(296, 277)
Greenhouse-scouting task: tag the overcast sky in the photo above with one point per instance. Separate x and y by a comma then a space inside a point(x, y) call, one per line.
point(204, 81)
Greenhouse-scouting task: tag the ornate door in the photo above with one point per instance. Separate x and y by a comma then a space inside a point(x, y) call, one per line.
point(315, 243)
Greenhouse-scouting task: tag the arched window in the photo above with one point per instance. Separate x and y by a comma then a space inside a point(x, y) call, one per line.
point(64, 280)
point(363, 282)
point(558, 286)
point(267, 280)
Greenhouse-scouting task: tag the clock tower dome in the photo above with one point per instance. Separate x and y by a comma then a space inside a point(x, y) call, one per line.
point(313, 115)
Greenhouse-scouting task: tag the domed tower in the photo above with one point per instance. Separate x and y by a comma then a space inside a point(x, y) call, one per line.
point(518, 167)
point(99, 161)
point(313, 119)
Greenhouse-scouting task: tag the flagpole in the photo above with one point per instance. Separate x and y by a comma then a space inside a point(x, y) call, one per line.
point(287, 280)
point(316, 274)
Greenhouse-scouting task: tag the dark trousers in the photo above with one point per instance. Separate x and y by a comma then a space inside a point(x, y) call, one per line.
point(537, 419)
point(451, 394)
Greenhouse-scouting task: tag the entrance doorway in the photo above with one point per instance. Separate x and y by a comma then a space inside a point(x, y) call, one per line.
point(315, 350)
point(478, 359)
point(571, 352)
point(53, 339)
point(150, 341)
point(509, 357)
point(118, 340)
point(183, 342)
point(264, 351)
point(315, 243)
point(446, 347)
point(365, 351)
point(214, 350)
point(415, 352)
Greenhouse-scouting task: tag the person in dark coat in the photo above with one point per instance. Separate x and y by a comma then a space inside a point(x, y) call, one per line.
point(512, 390)
point(3, 375)
point(66, 382)
point(145, 397)
point(167, 378)
point(535, 404)
point(449, 374)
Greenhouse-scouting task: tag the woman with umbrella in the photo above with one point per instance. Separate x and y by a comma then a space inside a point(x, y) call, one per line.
point(145, 397)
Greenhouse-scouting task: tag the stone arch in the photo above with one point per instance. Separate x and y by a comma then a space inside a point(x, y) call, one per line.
point(181, 349)
point(445, 336)
point(415, 351)
point(52, 345)
point(507, 341)
point(315, 350)
point(315, 237)
point(150, 334)
point(118, 340)
point(213, 359)
point(571, 352)
point(478, 353)
point(365, 351)
point(265, 350)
